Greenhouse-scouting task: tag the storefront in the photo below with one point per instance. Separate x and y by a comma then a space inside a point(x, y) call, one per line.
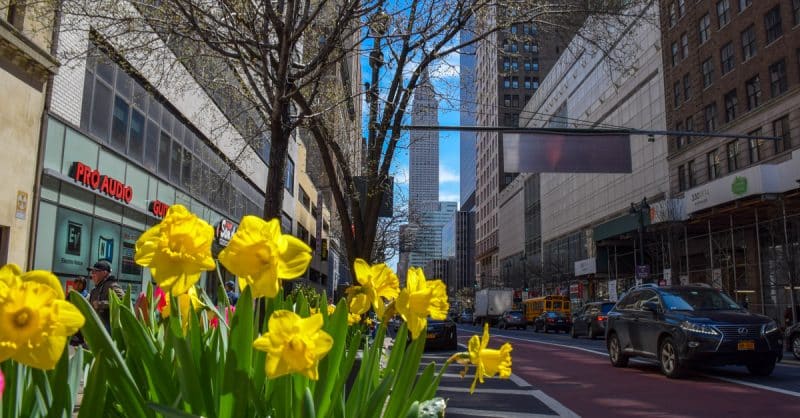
point(94, 205)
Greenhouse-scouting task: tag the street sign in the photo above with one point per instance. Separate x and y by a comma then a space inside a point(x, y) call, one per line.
point(642, 271)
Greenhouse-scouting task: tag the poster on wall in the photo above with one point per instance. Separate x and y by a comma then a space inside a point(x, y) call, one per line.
point(612, 290)
point(129, 270)
point(72, 244)
point(105, 243)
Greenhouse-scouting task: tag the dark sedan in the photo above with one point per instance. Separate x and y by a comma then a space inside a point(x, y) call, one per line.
point(441, 334)
point(590, 320)
point(555, 321)
point(682, 326)
point(511, 319)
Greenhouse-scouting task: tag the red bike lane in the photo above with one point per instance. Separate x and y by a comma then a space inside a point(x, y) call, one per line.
point(587, 384)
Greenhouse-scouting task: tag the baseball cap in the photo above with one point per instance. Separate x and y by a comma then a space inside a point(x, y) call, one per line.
point(229, 283)
point(101, 265)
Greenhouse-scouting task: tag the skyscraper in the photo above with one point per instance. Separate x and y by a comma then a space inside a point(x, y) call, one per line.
point(424, 150)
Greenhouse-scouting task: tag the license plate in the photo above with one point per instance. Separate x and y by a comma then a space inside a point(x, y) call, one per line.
point(746, 345)
point(431, 335)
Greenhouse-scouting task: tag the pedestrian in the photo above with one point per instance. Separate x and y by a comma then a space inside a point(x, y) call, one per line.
point(104, 282)
point(80, 286)
point(231, 292)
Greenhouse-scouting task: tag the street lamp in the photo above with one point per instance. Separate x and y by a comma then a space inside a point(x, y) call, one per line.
point(640, 209)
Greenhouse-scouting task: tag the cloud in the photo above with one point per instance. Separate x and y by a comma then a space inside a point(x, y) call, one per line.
point(401, 176)
point(447, 176)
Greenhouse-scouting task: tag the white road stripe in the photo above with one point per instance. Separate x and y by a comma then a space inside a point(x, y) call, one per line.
point(754, 385)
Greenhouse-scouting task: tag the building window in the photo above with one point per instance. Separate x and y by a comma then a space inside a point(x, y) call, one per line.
point(754, 146)
point(684, 45)
point(674, 54)
point(690, 173)
point(724, 12)
point(507, 100)
point(515, 100)
point(704, 27)
point(753, 86)
point(708, 72)
point(733, 156)
point(710, 113)
point(689, 128)
point(303, 197)
point(16, 14)
point(536, 64)
point(528, 83)
point(679, 137)
point(726, 57)
point(749, 42)
point(777, 78)
point(506, 64)
point(682, 178)
point(796, 11)
point(743, 4)
point(506, 82)
point(731, 101)
point(289, 184)
point(527, 65)
point(514, 65)
point(681, 7)
point(535, 83)
point(772, 22)
point(780, 129)
point(286, 223)
point(673, 18)
point(687, 87)
point(676, 94)
point(515, 82)
point(714, 162)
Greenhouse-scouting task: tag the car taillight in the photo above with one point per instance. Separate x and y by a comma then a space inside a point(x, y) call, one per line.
point(601, 318)
point(550, 320)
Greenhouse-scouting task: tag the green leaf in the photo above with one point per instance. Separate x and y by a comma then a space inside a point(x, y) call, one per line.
point(413, 410)
point(171, 412)
point(105, 352)
point(238, 361)
point(309, 411)
point(94, 393)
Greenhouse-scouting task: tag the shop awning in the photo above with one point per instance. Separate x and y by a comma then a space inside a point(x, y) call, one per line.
point(618, 226)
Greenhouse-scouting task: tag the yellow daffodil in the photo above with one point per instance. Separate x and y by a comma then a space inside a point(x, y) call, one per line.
point(376, 283)
point(353, 318)
point(420, 299)
point(184, 301)
point(331, 309)
point(488, 362)
point(177, 250)
point(35, 319)
point(261, 256)
point(294, 344)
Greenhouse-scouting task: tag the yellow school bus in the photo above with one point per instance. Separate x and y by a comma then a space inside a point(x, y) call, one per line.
point(534, 307)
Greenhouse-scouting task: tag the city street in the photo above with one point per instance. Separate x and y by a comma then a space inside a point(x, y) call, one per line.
point(555, 375)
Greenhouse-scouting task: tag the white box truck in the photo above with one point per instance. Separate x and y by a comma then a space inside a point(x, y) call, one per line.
point(490, 304)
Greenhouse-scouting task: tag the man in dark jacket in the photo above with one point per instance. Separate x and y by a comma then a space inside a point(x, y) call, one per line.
point(104, 282)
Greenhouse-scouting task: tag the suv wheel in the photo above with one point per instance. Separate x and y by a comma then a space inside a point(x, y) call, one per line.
point(763, 367)
point(794, 345)
point(618, 359)
point(668, 357)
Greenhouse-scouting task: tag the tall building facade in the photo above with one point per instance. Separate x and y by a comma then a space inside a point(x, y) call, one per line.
point(26, 64)
point(427, 237)
point(505, 80)
point(733, 67)
point(423, 176)
point(467, 117)
point(585, 224)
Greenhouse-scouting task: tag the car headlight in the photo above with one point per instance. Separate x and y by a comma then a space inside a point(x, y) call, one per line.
point(769, 327)
point(699, 328)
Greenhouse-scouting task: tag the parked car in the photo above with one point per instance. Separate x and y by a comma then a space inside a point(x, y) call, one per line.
point(685, 325)
point(793, 340)
point(512, 319)
point(441, 334)
point(466, 317)
point(556, 321)
point(590, 320)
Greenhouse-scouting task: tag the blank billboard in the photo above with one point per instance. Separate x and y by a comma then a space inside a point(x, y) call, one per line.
point(566, 152)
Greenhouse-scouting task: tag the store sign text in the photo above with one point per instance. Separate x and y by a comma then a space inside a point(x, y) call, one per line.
point(159, 208)
point(104, 184)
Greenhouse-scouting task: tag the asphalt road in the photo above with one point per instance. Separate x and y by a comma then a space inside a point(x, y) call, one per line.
point(555, 375)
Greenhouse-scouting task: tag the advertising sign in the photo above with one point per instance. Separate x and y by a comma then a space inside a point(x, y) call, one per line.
point(107, 185)
point(716, 278)
point(585, 267)
point(22, 204)
point(668, 277)
point(106, 243)
point(642, 271)
point(72, 243)
point(554, 152)
point(224, 231)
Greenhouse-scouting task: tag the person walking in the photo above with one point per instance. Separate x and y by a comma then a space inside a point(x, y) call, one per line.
point(229, 290)
point(80, 286)
point(104, 282)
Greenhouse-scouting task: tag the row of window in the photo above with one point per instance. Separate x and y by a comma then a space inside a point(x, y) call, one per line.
point(529, 83)
point(733, 154)
point(512, 64)
point(512, 47)
point(778, 84)
point(119, 111)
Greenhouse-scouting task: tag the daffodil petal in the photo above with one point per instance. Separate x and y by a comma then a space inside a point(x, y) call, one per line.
point(46, 278)
point(294, 259)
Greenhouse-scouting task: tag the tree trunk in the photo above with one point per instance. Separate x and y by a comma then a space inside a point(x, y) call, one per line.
point(280, 135)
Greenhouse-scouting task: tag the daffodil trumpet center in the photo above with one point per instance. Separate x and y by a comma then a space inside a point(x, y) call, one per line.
point(22, 318)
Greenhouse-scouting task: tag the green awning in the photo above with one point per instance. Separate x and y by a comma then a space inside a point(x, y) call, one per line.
point(619, 226)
